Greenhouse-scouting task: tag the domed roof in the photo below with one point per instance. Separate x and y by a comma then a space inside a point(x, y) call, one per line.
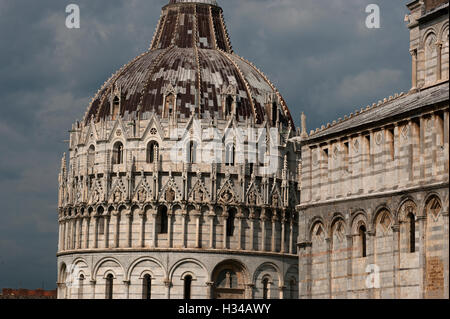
point(191, 58)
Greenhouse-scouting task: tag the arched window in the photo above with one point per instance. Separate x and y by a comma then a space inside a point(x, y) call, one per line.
point(274, 113)
point(228, 105)
point(91, 157)
point(363, 240)
point(147, 287)
point(430, 59)
point(412, 232)
point(152, 152)
point(265, 284)
point(230, 154)
point(116, 108)
point(109, 286)
point(192, 152)
point(118, 153)
point(230, 223)
point(163, 220)
point(169, 106)
point(80, 286)
point(187, 287)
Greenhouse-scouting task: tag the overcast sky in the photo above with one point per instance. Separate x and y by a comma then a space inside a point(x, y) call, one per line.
point(319, 54)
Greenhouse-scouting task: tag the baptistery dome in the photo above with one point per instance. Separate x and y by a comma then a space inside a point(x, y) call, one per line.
point(190, 56)
point(181, 179)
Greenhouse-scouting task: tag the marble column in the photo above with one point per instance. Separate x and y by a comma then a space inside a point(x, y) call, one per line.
point(445, 216)
point(167, 285)
point(106, 236)
point(225, 221)
point(197, 217)
point(129, 216)
point(328, 252)
point(211, 217)
point(170, 217)
point(142, 229)
point(183, 229)
point(396, 260)
point(127, 284)
point(240, 221)
point(273, 242)
point(86, 231)
point(371, 256)
point(249, 291)
point(291, 237)
point(422, 251)
point(349, 289)
point(154, 215)
point(414, 69)
point(117, 231)
point(80, 232)
point(283, 234)
point(252, 230)
point(209, 290)
point(96, 231)
point(263, 232)
point(305, 265)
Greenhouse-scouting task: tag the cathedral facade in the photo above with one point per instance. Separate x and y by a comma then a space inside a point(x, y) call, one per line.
point(187, 178)
point(374, 212)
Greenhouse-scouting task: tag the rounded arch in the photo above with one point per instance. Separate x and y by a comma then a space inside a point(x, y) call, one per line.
point(104, 260)
point(62, 272)
point(118, 152)
point(358, 220)
point(429, 196)
point(380, 215)
point(191, 153)
point(188, 273)
point(314, 226)
point(336, 218)
point(143, 259)
point(268, 264)
point(100, 209)
point(380, 209)
point(185, 260)
point(403, 208)
point(430, 32)
point(152, 151)
point(109, 273)
point(145, 273)
point(442, 31)
point(232, 262)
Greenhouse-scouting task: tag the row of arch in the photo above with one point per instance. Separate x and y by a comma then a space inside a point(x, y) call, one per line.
point(188, 278)
point(178, 226)
point(361, 217)
point(152, 153)
point(392, 240)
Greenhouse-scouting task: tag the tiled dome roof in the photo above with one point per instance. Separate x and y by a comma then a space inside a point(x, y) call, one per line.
point(191, 57)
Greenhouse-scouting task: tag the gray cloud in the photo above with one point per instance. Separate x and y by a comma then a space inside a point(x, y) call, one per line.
point(318, 53)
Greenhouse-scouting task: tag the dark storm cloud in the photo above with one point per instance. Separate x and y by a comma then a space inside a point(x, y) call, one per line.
point(318, 53)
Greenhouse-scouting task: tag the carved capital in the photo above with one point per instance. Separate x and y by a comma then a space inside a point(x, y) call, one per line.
point(167, 283)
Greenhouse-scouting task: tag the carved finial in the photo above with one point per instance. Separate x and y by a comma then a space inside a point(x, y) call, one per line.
point(303, 122)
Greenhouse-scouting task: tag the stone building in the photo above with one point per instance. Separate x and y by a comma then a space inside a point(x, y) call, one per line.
point(188, 179)
point(181, 180)
point(374, 211)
